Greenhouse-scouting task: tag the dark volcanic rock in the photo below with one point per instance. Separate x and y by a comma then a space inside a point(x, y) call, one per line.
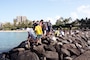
point(84, 56)
point(24, 55)
point(69, 47)
point(51, 55)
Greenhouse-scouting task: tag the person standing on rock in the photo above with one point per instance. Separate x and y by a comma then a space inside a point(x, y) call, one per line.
point(49, 27)
point(34, 25)
point(70, 30)
point(39, 32)
point(41, 23)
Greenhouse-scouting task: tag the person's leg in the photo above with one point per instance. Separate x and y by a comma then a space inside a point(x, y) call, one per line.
point(48, 30)
point(29, 38)
point(44, 32)
point(28, 42)
point(39, 38)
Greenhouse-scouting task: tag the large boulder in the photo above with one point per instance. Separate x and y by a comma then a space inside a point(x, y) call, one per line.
point(84, 56)
point(74, 51)
point(3, 57)
point(65, 52)
point(24, 44)
point(39, 49)
point(50, 55)
point(27, 55)
point(24, 55)
point(50, 48)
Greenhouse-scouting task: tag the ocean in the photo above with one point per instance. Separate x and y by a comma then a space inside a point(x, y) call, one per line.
point(9, 40)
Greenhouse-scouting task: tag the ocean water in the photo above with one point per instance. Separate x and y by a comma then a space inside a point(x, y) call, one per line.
point(9, 40)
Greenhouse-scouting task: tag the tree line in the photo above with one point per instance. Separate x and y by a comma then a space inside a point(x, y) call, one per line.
point(83, 23)
point(61, 22)
point(15, 25)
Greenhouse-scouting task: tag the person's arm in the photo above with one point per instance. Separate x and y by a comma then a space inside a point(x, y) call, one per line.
point(28, 35)
point(35, 29)
point(28, 38)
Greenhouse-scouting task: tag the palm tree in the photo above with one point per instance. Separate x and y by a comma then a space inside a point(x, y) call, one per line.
point(15, 22)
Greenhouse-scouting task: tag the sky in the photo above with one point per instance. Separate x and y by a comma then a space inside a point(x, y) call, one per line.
point(44, 9)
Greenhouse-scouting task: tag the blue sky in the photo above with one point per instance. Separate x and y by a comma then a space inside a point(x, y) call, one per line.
point(43, 9)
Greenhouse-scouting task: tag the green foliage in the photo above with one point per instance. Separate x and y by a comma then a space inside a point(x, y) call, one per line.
point(30, 24)
point(61, 22)
point(15, 25)
point(7, 26)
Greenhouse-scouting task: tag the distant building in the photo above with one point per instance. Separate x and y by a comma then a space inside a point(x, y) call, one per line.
point(1, 25)
point(20, 19)
point(23, 18)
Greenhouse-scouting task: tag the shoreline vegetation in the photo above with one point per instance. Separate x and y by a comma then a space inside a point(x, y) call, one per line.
point(13, 31)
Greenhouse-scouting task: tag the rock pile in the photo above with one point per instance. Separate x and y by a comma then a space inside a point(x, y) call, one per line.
point(70, 47)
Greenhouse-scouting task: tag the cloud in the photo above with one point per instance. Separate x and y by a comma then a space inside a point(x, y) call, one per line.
point(81, 12)
point(84, 9)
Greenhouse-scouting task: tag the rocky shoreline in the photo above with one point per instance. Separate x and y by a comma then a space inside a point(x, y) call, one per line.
point(70, 47)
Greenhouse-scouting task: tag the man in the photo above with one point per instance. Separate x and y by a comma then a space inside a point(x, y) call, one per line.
point(39, 33)
point(49, 25)
point(31, 35)
point(34, 25)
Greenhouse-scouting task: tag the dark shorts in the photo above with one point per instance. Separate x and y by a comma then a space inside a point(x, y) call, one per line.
point(49, 28)
point(39, 36)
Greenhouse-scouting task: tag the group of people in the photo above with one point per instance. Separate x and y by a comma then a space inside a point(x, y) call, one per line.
point(62, 32)
point(39, 29)
point(59, 32)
